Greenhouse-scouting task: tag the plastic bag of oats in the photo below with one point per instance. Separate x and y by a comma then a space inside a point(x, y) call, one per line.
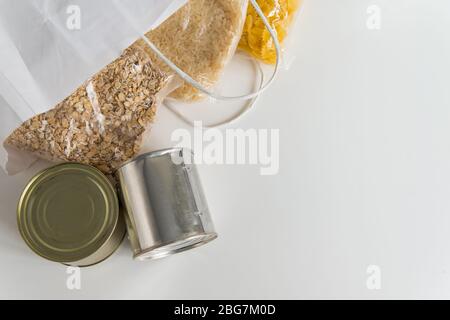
point(50, 48)
point(103, 122)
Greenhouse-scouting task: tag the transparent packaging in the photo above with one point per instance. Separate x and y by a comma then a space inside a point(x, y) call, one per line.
point(256, 39)
point(200, 38)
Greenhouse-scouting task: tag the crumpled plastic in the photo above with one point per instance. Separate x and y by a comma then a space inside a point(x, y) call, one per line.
point(49, 48)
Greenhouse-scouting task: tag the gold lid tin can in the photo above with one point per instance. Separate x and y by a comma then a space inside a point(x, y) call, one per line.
point(164, 203)
point(70, 214)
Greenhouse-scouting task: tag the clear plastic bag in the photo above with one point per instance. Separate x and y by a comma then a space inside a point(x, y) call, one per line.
point(211, 28)
point(200, 39)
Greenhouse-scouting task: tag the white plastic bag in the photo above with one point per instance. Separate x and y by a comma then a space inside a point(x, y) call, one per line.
point(56, 50)
point(50, 47)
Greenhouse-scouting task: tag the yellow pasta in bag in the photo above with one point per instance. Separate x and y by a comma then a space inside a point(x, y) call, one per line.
point(256, 39)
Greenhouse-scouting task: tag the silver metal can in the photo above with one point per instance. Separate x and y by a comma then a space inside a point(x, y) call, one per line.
point(165, 207)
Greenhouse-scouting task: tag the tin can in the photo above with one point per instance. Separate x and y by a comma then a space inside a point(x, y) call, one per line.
point(165, 207)
point(70, 214)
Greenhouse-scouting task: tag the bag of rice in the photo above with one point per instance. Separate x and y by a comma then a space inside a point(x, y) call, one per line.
point(200, 39)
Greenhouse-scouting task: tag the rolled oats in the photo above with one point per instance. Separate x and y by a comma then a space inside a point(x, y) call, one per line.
point(103, 121)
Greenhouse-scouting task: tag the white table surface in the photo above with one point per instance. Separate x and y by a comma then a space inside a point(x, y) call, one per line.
point(364, 177)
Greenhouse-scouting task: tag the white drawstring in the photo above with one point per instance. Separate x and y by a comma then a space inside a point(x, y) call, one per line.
point(246, 109)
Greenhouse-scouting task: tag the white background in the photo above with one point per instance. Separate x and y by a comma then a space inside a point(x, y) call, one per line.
point(364, 177)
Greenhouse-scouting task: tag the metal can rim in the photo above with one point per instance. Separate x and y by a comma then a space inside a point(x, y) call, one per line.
point(107, 232)
point(155, 154)
point(203, 239)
